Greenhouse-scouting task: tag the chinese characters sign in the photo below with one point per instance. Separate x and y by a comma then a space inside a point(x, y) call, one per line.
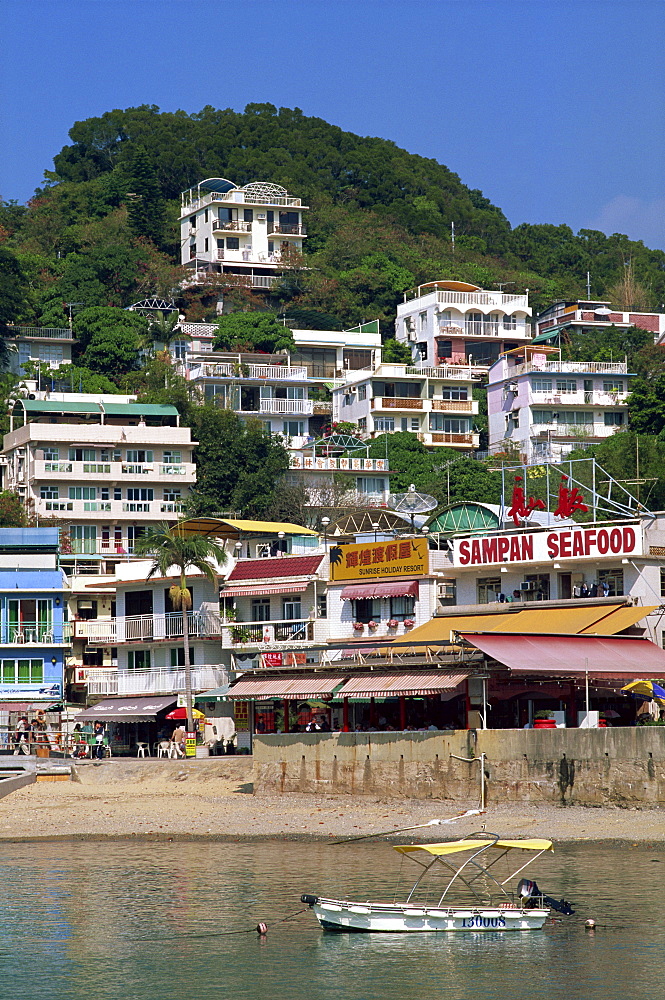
point(379, 560)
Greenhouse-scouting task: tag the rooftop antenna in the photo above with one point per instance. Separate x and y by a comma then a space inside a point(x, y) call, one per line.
point(588, 285)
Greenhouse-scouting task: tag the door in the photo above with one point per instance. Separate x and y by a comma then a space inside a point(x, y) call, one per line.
point(565, 586)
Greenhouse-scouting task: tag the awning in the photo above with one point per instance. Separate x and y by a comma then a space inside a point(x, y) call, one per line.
point(287, 688)
point(606, 656)
point(127, 709)
point(619, 620)
point(232, 528)
point(392, 685)
point(567, 621)
point(263, 589)
point(392, 588)
point(215, 694)
point(437, 630)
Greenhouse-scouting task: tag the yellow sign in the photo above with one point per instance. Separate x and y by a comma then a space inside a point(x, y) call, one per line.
point(379, 560)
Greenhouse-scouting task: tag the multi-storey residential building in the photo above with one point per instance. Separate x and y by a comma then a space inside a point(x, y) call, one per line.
point(454, 322)
point(32, 598)
point(51, 346)
point(574, 316)
point(249, 231)
point(545, 407)
point(434, 403)
point(104, 466)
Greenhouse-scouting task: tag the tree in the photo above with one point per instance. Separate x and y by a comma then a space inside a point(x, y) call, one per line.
point(253, 331)
point(606, 344)
point(110, 339)
point(68, 378)
point(158, 381)
point(465, 479)
point(239, 464)
point(394, 352)
point(408, 458)
point(147, 216)
point(12, 510)
point(13, 288)
point(168, 549)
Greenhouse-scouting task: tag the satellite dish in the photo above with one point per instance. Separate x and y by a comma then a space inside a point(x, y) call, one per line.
point(412, 503)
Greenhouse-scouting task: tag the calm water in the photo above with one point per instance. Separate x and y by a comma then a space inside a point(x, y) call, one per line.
point(127, 921)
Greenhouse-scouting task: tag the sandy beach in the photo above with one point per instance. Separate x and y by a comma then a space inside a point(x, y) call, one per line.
point(213, 799)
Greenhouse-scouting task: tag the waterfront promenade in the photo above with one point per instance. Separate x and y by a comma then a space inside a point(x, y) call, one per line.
point(162, 800)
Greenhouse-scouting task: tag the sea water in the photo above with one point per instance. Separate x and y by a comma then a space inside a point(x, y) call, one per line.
point(131, 920)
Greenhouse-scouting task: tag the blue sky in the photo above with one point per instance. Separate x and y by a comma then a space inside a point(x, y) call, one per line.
point(555, 110)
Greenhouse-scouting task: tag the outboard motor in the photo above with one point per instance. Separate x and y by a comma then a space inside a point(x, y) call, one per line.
point(532, 897)
point(310, 900)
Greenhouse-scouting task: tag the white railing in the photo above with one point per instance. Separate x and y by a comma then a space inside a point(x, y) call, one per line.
point(41, 332)
point(303, 406)
point(231, 225)
point(145, 628)
point(552, 398)
point(116, 508)
point(101, 680)
point(170, 680)
point(500, 299)
point(226, 369)
point(268, 633)
point(457, 372)
point(112, 470)
point(570, 367)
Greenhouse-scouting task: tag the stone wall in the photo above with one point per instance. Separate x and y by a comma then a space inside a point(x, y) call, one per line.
point(623, 767)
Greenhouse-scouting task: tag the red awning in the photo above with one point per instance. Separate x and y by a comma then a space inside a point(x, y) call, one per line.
point(392, 685)
point(264, 589)
point(287, 688)
point(605, 656)
point(390, 588)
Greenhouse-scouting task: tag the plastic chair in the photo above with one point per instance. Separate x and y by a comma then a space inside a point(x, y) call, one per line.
point(141, 748)
point(164, 749)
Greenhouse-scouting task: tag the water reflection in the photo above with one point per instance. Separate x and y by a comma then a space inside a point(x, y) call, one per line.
point(129, 921)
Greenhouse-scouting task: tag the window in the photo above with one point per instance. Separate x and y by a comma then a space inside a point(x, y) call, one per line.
point(404, 423)
point(566, 385)
point(542, 416)
point(110, 455)
point(171, 494)
point(415, 424)
point(402, 607)
point(138, 659)
point(581, 418)
point(322, 605)
point(248, 215)
point(489, 587)
point(454, 393)
point(370, 484)
point(366, 611)
point(291, 609)
point(362, 391)
point(662, 582)
point(82, 455)
point(179, 348)
point(613, 385)
point(104, 493)
point(134, 532)
point(385, 424)
point(82, 492)
point(423, 321)
point(117, 493)
point(205, 244)
point(421, 347)
point(51, 453)
point(451, 425)
point(172, 457)
point(83, 538)
point(610, 582)
point(540, 587)
point(143, 494)
point(510, 322)
point(362, 425)
point(139, 456)
point(29, 619)
point(444, 348)
point(232, 243)
point(613, 419)
point(541, 385)
point(205, 215)
point(177, 656)
point(261, 609)
point(49, 492)
point(22, 671)
point(294, 428)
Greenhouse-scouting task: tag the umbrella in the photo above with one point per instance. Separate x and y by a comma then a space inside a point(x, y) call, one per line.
point(646, 689)
point(181, 713)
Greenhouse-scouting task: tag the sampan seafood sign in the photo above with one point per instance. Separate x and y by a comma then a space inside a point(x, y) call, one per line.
point(379, 560)
point(544, 546)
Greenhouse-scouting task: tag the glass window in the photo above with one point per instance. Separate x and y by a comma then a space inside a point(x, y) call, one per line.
point(83, 538)
point(82, 492)
point(30, 671)
point(540, 587)
point(291, 609)
point(82, 455)
point(261, 609)
point(385, 424)
point(104, 493)
point(422, 349)
point(172, 457)
point(248, 215)
point(144, 494)
point(510, 322)
point(138, 659)
point(402, 607)
point(454, 393)
point(232, 243)
point(49, 492)
point(293, 428)
point(366, 611)
point(613, 419)
point(451, 425)
point(362, 425)
point(489, 588)
point(362, 391)
point(172, 494)
point(542, 416)
point(370, 484)
point(177, 656)
point(566, 385)
point(322, 606)
point(415, 424)
point(613, 385)
point(541, 385)
point(117, 493)
point(610, 582)
point(581, 418)
point(423, 321)
point(51, 453)
point(138, 455)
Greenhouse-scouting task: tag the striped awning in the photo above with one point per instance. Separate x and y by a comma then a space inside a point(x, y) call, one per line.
point(393, 685)
point(265, 589)
point(380, 588)
point(287, 688)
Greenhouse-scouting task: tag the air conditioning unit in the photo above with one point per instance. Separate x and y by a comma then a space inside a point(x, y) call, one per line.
point(261, 215)
point(526, 585)
point(513, 387)
point(446, 590)
point(413, 336)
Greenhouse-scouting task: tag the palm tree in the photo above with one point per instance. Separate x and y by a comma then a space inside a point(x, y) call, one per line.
point(168, 548)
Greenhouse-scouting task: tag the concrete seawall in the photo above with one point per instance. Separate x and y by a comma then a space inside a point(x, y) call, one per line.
point(591, 767)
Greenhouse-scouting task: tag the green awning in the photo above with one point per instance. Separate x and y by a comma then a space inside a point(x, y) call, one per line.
point(215, 694)
point(139, 410)
point(53, 406)
point(544, 337)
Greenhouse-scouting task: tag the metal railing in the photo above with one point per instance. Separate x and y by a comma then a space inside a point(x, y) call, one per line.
point(224, 369)
point(268, 632)
point(302, 406)
point(570, 367)
point(169, 680)
point(288, 230)
point(31, 634)
point(40, 332)
point(231, 225)
point(456, 372)
point(145, 628)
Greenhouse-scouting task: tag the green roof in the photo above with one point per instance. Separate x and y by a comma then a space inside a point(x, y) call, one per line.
point(140, 410)
point(53, 406)
point(542, 337)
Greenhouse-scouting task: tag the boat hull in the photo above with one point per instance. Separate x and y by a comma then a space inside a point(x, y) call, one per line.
point(386, 918)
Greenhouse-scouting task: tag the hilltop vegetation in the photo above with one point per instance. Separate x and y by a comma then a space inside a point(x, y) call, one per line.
point(103, 229)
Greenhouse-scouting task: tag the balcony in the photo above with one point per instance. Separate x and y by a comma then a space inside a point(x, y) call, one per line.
point(288, 230)
point(231, 226)
point(580, 398)
point(397, 403)
point(297, 406)
point(455, 405)
point(31, 634)
point(39, 332)
point(145, 628)
point(247, 635)
point(501, 300)
point(115, 509)
point(463, 373)
point(170, 680)
point(211, 369)
point(570, 368)
point(465, 441)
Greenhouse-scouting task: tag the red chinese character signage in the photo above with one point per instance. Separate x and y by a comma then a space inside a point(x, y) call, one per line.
point(570, 500)
point(521, 508)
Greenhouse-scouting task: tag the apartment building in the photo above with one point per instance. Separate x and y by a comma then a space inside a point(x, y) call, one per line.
point(250, 231)
point(545, 407)
point(104, 466)
point(435, 403)
point(454, 322)
point(51, 346)
point(574, 316)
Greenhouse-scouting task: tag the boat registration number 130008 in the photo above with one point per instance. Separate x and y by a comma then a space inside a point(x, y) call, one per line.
point(479, 921)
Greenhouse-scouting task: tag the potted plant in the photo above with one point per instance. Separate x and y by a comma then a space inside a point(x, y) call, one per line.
point(372, 624)
point(358, 626)
point(544, 720)
point(393, 623)
point(409, 623)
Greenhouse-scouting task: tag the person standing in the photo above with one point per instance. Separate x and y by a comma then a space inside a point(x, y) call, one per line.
point(100, 735)
point(22, 735)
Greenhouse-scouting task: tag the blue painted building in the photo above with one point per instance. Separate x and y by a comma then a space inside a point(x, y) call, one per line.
point(32, 601)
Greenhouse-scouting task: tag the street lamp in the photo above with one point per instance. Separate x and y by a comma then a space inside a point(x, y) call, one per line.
point(325, 521)
point(375, 525)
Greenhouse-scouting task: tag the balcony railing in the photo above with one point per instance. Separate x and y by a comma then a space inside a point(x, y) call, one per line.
point(458, 405)
point(397, 403)
point(444, 437)
point(223, 369)
point(231, 225)
point(570, 367)
point(302, 406)
point(145, 628)
point(113, 471)
point(288, 230)
point(463, 373)
point(170, 680)
point(40, 332)
point(31, 634)
point(267, 633)
point(116, 508)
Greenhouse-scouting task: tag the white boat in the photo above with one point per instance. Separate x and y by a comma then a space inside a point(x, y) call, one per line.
point(490, 904)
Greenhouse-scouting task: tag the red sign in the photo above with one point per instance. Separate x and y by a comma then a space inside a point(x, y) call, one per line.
point(569, 500)
point(542, 546)
point(521, 507)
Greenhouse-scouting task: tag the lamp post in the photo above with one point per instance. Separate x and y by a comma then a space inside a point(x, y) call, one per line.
point(325, 521)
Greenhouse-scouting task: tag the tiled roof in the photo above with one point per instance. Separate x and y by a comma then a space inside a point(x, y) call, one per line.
point(269, 569)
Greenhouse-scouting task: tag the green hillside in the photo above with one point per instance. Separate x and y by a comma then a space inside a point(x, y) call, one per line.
point(379, 223)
